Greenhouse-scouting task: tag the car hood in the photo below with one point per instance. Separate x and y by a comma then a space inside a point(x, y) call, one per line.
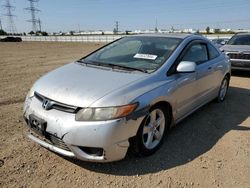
point(81, 85)
point(236, 48)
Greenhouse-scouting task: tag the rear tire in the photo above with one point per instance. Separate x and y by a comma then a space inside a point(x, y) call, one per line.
point(223, 89)
point(151, 132)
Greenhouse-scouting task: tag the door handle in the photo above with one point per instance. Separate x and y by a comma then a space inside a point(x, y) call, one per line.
point(219, 67)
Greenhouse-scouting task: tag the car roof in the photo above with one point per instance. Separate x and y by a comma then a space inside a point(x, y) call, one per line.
point(169, 35)
point(242, 34)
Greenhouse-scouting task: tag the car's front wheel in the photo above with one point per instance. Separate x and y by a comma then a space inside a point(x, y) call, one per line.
point(151, 132)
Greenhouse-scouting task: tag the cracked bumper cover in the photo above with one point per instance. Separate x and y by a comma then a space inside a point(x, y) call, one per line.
point(112, 135)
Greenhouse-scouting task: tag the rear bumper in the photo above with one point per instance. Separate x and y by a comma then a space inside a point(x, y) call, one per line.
point(111, 137)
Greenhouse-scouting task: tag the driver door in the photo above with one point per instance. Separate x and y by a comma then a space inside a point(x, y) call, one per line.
point(191, 87)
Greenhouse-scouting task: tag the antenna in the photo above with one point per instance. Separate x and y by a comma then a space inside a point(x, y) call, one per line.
point(9, 8)
point(33, 10)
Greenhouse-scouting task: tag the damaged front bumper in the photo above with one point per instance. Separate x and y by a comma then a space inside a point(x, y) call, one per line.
point(99, 141)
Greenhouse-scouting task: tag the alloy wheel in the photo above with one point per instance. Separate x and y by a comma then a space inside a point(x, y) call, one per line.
point(153, 129)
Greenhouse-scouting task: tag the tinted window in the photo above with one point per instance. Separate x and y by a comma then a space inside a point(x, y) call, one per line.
point(213, 52)
point(196, 53)
point(141, 52)
point(240, 40)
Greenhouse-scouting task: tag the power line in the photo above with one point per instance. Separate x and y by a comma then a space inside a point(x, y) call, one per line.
point(10, 17)
point(33, 10)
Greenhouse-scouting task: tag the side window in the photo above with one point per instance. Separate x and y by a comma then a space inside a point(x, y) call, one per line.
point(196, 53)
point(213, 53)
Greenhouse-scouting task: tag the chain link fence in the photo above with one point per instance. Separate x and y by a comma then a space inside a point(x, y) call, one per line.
point(90, 38)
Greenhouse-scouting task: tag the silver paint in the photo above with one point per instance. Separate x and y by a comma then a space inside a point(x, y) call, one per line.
point(84, 86)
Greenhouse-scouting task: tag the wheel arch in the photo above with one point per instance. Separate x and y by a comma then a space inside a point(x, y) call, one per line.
point(168, 106)
point(228, 75)
point(134, 141)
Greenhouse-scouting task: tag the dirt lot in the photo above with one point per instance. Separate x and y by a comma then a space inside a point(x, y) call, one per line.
point(211, 148)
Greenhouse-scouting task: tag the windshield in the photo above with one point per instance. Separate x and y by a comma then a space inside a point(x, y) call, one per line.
point(136, 53)
point(240, 40)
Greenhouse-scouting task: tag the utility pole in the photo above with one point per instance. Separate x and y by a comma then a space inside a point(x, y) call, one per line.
point(33, 10)
point(156, 26)
point(117, 26)
point(9, 8)
point(79, 28)
point(40, 24)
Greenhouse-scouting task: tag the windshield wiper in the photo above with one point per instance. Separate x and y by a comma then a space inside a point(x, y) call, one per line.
point(85, 62)
point(126, 68)
point(97, 63)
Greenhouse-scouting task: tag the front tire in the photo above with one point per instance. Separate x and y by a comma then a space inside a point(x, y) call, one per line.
point(151, 132)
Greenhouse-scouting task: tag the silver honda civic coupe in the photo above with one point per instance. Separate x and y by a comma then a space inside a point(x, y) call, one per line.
point(125, 94)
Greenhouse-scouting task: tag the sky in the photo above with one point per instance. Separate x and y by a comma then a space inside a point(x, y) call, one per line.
point(66, 15)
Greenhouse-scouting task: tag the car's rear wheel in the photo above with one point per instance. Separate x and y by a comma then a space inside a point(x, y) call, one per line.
point(223, 89)
point(151, 132)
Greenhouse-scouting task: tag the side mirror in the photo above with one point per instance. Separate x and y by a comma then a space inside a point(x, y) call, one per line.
point(223, 42)
point(186, 67)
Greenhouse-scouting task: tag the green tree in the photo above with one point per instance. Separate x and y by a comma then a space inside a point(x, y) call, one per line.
point(128, 32)
point(44, 33)
point(156, 30)
point(208, 29)
point(2, 32)
point(31, 33)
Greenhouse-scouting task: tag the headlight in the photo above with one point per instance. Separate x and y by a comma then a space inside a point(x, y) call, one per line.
point(107, 113)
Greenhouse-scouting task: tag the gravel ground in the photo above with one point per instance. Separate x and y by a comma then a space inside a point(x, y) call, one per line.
point(211, 148)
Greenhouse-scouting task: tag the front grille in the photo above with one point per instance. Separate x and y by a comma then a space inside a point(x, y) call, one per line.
point(56, 105)
point(52, 139)
point(239, 55)
point(238, 63)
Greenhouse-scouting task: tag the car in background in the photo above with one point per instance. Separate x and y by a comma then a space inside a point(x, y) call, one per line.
point(219, 42)
point(125, 94)
point(238, 50)
point(11, 39)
